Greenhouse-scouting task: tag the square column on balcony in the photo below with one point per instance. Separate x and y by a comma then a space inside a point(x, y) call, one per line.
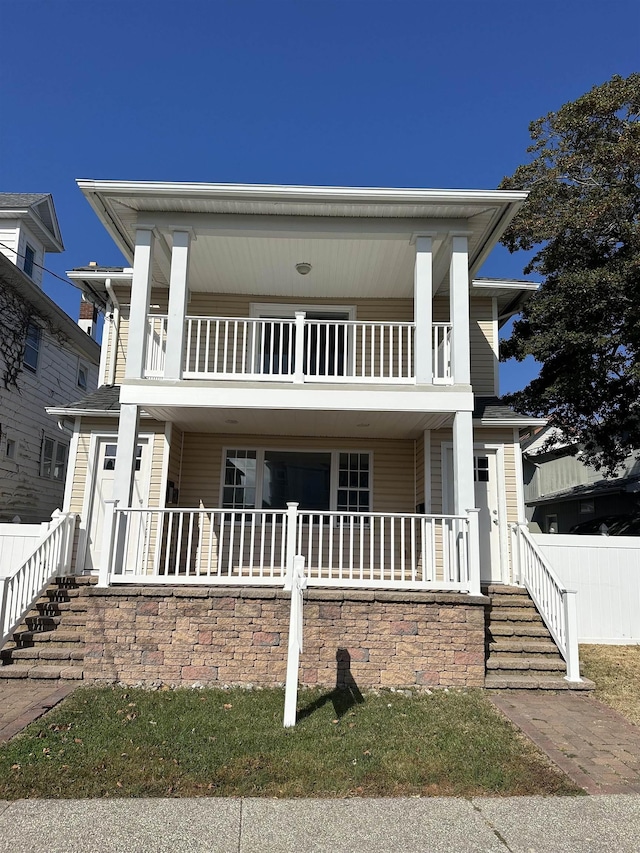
point(459, 309)
point(178, 297)
point(140, 298)
point(423, 310)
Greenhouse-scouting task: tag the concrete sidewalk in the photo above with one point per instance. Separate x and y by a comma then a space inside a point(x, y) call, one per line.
point(600, 824)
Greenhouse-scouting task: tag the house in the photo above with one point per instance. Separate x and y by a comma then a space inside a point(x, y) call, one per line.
point(45, 359)
point(561, 491)
point(298, 371)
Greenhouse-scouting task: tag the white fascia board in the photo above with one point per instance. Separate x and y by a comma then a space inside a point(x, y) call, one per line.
point(305, 398)
point(510, 422)
point(508, 285)
point(88, 413)
point(300, 192)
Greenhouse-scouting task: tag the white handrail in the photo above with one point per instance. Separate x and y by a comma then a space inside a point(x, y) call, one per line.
point(257, 546)
point(298, 350)
point(50, 558)
point(555, 603)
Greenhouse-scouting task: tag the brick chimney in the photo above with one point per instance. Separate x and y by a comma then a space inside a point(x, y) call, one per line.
point(88, 319)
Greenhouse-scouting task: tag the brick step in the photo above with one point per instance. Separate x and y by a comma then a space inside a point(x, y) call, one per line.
point(520, 630)
point(75, 581)
point(36, 622)
point(514, 614)
point(498, 681)
point(42, 672)
point(517, 663)
point(505, 601)
point(70, 618)
point(60, 636)
point(525, 647)
point(61, 602)
point(40, 652)
point(502, 589)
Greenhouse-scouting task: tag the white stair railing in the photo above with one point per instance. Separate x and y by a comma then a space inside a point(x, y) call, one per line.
point(555, 603)
point(50, 558)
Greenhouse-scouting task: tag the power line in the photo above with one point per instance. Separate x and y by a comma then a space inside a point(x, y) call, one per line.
point(45, 269)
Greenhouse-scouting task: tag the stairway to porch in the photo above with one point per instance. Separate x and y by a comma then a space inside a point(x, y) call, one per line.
point(520, 652)
point(49, 643)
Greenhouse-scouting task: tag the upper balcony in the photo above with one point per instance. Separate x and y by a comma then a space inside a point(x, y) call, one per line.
point(298, 350)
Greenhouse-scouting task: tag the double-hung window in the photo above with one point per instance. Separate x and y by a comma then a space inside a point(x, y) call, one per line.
point(314, 479)
point(53, 459)
point(29, 260)
point(32, 347)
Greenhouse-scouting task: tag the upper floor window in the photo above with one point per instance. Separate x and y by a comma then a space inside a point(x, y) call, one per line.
point(32, 347)
point(83, 376)
point(29, 258)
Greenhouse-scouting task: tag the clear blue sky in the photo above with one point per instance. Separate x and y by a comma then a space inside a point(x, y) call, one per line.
point(343, 92)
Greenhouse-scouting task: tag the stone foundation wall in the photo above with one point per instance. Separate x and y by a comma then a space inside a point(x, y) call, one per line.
point(181, 635)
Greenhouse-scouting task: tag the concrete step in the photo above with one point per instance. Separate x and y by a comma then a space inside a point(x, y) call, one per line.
point(42, 672)
point(41, 652)
point(35, 622)
point(525, 647)
point(74, 581)
point(514, 614)
point(59, 636)
point(502, 589)
point(498, 681)
point(506, 601)
point(516, 663)
point(62, 604)
point(517, 630)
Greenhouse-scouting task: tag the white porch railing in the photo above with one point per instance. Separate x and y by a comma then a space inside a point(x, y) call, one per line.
point(556, 604)
point(50, 558)
point(297, 350)
point(256, 547)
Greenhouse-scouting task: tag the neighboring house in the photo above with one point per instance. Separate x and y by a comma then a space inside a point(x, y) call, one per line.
point(45, 358)
point(296, 371)
point(562, 491)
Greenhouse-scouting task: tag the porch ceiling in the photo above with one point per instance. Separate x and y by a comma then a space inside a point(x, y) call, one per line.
point(343, 424)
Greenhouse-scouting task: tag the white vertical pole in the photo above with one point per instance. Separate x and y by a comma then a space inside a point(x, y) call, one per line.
point(178, 294)
point(571, 635)
point(292, 525)
point(459, 310)
point(107, 543)
point(297, 583)
point(463, 488)
point(140, 298)
point(298, 373)
point(423, 311)
point(474, 552)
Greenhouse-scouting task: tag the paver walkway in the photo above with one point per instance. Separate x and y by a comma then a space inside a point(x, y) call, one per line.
point(23, 702)
point(591, 743)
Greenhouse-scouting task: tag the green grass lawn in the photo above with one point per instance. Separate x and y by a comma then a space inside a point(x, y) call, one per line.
point(135, 743)
point(616, 672)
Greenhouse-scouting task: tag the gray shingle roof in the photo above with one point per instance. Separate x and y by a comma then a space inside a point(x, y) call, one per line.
point(492, 409)
point(9, 200)
point(104, 399)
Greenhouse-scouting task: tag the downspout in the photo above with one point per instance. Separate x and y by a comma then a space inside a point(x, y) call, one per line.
point(116, 331)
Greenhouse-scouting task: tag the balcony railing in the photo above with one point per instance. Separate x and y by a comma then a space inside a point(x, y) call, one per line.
point(256, 547)
point(298, 350)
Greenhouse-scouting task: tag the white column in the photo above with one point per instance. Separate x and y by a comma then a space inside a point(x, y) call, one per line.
point(178, 295)
point(126, 454)
point(463, 488)
point(459, 308)
point(140, 297)
point(422, 311)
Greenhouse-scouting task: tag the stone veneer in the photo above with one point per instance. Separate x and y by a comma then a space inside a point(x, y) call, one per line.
point(181, 635)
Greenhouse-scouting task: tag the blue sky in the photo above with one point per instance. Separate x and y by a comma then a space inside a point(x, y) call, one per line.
point(342, 92)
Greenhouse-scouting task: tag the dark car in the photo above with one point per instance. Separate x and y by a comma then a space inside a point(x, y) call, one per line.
point(594, 526)
point(625, 527)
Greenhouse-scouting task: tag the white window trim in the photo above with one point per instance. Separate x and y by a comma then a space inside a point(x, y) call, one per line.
point(333, 482)
point(56, 443)
point(82, 365)
point(33, 370)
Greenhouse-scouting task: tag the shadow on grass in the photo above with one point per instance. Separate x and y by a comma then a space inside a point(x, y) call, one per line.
point(344, 696)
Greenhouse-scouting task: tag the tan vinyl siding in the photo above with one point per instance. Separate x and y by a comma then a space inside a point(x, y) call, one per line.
point(393, 466)
point(482, 354)
point(419, 468)
point(175, 457)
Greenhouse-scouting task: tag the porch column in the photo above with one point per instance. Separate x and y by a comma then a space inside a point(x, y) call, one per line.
point(463, 488)
point(114, 525)
point(178, 296)
point(459, 309)
point(140, 297)
point(422, 311)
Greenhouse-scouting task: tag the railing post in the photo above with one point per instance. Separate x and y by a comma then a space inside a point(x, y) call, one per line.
point(297, 583)
point(298, 373)
point(108, 539)
point(571, 635)
point(292, 525)
point(4, 601)
point(521, 546)
point(474, 552)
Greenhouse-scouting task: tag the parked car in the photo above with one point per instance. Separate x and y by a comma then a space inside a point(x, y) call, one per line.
point(594, 526)
point(626, 526)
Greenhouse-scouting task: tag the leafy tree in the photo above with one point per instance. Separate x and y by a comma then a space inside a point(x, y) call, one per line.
point(582, 221)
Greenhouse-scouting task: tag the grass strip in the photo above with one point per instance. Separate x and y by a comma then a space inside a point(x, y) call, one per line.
point(616, 672)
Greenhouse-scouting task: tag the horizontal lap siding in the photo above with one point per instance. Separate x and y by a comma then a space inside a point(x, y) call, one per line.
point(482, 354)
point(393, 466)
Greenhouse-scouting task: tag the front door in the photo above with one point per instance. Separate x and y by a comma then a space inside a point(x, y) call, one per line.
point(102, 490)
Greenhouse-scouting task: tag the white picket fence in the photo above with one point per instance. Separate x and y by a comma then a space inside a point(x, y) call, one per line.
point(50, 558)
point(605, 571)
point(17, 541)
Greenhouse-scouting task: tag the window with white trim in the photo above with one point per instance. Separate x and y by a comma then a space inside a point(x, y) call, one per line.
point(315, 479)
point(32, 347)
point(83, 376)
point(29, 259)
point(53, 459)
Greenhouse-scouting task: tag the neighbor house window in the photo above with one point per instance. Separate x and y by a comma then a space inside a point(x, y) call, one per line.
point(10, 450)
point(83, 376)
point(53, 459)
point(320, 480)
point(32, 347)
point(587, 507)
point(29, 258)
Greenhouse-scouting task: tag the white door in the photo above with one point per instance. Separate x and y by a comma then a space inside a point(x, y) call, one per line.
point(102, 490)
point(485, 481)
point(486, 491)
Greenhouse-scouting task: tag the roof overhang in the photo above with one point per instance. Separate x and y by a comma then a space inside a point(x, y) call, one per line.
point(306, 216)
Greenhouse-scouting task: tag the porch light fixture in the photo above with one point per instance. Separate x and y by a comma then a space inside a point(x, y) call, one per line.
point(304, 268)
